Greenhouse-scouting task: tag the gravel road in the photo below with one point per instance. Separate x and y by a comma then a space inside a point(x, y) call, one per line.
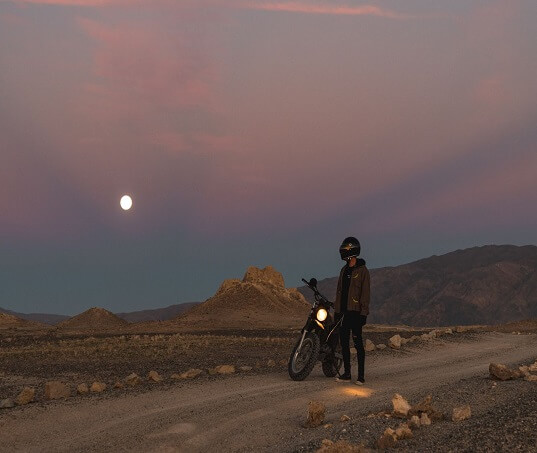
point(265, 413)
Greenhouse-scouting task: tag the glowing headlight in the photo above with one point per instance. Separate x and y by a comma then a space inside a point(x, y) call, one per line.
point(322, 314)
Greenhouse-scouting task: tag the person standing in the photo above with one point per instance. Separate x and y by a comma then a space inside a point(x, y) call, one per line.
point(352, 306)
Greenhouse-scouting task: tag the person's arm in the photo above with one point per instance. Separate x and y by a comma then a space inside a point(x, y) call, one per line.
point(365, 296)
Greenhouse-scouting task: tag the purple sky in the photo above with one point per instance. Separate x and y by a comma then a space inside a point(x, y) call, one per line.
point(251, 133)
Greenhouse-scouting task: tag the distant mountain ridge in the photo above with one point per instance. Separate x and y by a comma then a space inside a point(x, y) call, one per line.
point(480, 285)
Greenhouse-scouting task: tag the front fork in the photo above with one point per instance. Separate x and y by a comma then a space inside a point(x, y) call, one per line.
point(304, 332)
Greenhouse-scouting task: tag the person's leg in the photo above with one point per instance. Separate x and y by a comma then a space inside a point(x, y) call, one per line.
point(344, 337)
point(359, 345)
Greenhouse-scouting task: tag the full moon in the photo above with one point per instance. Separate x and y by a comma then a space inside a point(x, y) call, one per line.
point(125, 202)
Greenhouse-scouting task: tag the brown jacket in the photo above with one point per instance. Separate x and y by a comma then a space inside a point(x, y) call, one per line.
point(359, 290)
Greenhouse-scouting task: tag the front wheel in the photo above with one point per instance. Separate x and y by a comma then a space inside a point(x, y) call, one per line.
point(303, 359)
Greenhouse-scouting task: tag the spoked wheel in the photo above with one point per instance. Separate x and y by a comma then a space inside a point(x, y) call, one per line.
point(332, 364)
point(303, 360)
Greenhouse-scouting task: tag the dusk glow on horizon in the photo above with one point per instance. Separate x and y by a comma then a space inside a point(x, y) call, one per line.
point(255, 132)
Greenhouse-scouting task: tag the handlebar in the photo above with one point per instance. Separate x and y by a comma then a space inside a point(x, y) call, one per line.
point(317, 293)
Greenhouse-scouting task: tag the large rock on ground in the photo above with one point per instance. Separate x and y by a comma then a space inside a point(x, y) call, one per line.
point(461, 413)
point(425, 406)
point(26, 396)
point(400, 406)
point(387, 440)
point(369, 345)
point(56, 390)
point(502, 372)
point(395, 342)
point(316, 413)
point(403, 431)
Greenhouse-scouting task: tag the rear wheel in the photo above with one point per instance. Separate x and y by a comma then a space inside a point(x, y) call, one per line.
point(332, 364)
point(303, 360)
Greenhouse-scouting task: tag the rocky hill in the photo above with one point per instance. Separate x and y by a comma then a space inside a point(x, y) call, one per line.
point(45, 318)
point(157, 314)
point(479, 285)
point(94, 319)
point(8, 321)
point(259, 300)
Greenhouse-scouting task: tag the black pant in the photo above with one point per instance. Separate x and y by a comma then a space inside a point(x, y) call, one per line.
point(352, 322)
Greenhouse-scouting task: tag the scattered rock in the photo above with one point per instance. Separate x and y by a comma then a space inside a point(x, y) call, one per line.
point(271, 363)
point(341, 446)
point(97, 387)
point(316, 412)
point(132, 379)
point(424, 419)
point(403, 432)
point(448, 331)
point(82, 389)
point(502, 372)
point(369, 345)
point(414, 421)
point(119, 385)
point(328, 426)
point(404, 341)
point(344, 418)
point(225, 369)
point(531, 378)
point(154, 376)
point(461, 413)
point(426, 337)
point(395, 342)
point(7, 403)
point(190, 374)
point(533, 367)
point(387, 440)
point(246, 368)
point(56, 390)
point(381, 346)
point(400, 406)
point(524, 370)
point(26, 396)
point(283, 362)
point(426, 406)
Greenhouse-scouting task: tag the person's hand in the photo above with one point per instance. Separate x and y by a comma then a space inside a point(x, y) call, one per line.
point(363, 320)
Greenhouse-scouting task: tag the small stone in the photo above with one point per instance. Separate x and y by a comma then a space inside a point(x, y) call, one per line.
point(225, 369)
point(381, 346)
point(403, 432)
point(56, 390)
point(400, 406)
point(82, 389)
point(132, 379)
point(326, 442)
point(387, 440)
point(424, 419)
point(6, 403)
point(119, 385)
point(191, 374)
point(328, 426)
point(154, 376)
point(271, 363)
point(404, 341)
point(531, 378)
point(316, 412)
point(414, 421)
point(25, 396)
point(245, 368)
point(461, 413)
point(524, 370)
point(283, 362)
point(98, 387)
point(369, 345)
point(395, 342)
point(344, 418)
point(448, 331)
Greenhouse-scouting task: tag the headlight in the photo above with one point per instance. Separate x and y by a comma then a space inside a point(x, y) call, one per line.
point(322, 314)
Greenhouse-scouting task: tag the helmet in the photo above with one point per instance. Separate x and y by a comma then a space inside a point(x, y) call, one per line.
point(349, 247)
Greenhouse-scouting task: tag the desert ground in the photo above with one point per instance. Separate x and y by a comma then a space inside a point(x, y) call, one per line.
point(260, 409)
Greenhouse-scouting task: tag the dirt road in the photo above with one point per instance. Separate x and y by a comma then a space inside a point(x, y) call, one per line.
point(251, 413)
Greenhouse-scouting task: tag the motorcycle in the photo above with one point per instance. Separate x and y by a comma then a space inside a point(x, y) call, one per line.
point(319, 340)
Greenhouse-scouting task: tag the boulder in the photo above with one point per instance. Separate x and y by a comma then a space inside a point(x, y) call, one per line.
point(387, 440)
point(154, 376)
point(502, 372)
point(98, 387)
point(400, 406)
point(424, 419)
point(6, 403)
point(25, 396)
point(190, 374)
point(381, 346)
point(82, 389)
point(461, 413)
point(316, 413)
point(55, 390)
point(403, 431)
point(414, 421)
point(225, 369)
point(369, 345)
point(132, 379)
point(395, 342)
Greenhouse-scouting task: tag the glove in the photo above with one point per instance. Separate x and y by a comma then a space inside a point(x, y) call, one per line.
point(363, 320)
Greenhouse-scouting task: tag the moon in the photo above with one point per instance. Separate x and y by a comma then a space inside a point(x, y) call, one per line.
point(125, 202)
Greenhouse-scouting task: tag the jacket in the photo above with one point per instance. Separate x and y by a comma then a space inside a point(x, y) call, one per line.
point(359, 290)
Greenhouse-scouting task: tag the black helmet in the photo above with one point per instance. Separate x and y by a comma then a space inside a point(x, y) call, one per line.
point(349, 247)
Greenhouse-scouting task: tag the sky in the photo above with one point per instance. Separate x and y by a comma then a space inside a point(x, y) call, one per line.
point(255, 132)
